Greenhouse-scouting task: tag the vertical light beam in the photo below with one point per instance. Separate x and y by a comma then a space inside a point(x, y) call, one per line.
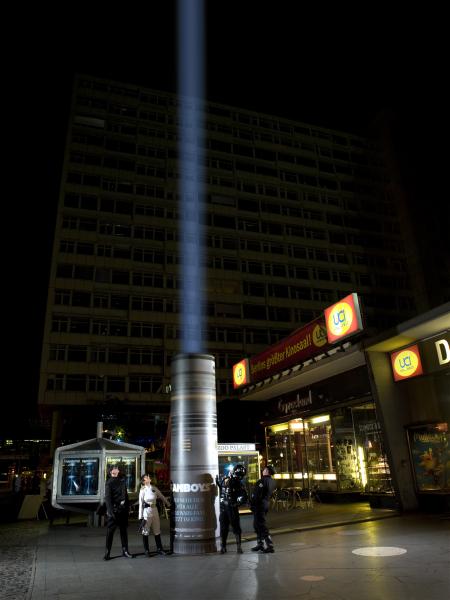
point(193, 453)
point(191, 153)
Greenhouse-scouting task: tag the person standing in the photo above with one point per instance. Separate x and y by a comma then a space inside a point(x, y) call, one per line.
point(149, 515)
point(259, 505)
point(232, 495)
point(117, 507)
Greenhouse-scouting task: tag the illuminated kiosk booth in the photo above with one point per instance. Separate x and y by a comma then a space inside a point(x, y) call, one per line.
point(80, 472)
point(231, 455)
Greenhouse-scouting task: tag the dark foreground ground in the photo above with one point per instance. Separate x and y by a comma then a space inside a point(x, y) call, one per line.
point(345, 552)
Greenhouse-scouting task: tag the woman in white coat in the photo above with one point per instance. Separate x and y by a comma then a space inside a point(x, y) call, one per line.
point(148, 513)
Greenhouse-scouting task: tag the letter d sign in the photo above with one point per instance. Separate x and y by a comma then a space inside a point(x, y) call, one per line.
point(443, 351)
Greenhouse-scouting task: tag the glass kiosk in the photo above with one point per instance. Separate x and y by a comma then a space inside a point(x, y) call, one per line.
point(230, 455)
point(80, 471)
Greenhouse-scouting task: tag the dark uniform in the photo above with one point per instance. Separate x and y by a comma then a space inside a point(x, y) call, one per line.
point(259, 504)
point(117, 507)
point(232, 495)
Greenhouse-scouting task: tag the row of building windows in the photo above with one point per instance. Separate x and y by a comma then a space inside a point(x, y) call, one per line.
point(133, 384)
point(101, 95)
point(248, 225)
point(125, 355)
point(157, 331)
point(163, 153)
point(170, 281)
point(107, 354)
point(150, 384)
point(120, 185)
point(91, 202)
point(217, 242)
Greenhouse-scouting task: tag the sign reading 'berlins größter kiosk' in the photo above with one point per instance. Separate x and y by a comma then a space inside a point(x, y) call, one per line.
point(302, 344)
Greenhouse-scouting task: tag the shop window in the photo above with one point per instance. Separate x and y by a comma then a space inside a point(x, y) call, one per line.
point(372, 461)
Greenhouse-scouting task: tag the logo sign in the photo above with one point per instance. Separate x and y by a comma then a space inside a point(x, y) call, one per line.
point(435, 353)
point(406, 363)
point(302, 344)
point(343, 318)
point(235, 447)
point(191, 487)
point(241, 373)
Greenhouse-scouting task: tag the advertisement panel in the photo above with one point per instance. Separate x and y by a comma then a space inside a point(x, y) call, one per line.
point(429, 447)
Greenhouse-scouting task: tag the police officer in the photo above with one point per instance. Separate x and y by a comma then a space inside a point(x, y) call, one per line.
point(117, 506)
point(232, 495)
point(259, 504)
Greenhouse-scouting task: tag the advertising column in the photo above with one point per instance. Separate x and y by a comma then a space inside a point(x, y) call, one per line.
point(193, 458)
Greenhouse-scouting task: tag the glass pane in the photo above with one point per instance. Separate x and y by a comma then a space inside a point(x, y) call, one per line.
point(371, 455)
point(79, 476)
point(127, 466)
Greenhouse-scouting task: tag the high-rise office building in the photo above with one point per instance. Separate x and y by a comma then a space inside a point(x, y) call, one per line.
point(297, 217)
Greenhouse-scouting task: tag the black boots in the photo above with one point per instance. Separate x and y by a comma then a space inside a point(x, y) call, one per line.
point(259, 546)
point(107, 555)
point(146, 546)
point(159, 548)
point(223, 545)
point(269, 549)
point(126, 553)
point(238, 544)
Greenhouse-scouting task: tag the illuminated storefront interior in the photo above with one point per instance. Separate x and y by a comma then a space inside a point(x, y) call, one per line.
point(341, 451)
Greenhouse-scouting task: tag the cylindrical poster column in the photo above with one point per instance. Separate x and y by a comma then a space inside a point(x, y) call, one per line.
point(193, 457)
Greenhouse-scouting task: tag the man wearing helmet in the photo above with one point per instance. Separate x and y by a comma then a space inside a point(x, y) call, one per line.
point(232, 495)
point(259, 504)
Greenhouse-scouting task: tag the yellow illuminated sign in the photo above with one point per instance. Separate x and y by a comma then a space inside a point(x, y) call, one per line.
point(406, 363)
point(343, 318)
point(241, 373)
point(319, 336)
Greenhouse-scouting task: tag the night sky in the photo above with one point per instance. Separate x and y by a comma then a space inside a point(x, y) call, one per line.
point(334, 69)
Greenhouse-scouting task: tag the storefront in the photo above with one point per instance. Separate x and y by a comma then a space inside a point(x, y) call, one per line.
point(339, 423)
point(337, 453)
point(411, 380)
point(322, 429)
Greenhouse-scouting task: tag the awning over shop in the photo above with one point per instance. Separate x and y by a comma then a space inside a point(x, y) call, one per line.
point(339, 360)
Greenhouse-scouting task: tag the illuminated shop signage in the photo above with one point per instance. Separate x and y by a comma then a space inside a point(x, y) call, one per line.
point(301, 345)
point(241, 373)
point(343, 318)
point(236, 447)
point(435, 353)
point(406, 363)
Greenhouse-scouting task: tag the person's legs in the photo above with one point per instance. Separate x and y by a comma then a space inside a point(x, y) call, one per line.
point(265, 534)
point(258, 515)
point(123, 527)
point(224, 528)
point(236, 525)
point(111, 528)
point(156, 526)
point(146, 546)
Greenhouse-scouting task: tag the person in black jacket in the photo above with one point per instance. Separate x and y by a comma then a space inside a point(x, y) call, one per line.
point(117, 507)
point(259, 505)
point(232, 495)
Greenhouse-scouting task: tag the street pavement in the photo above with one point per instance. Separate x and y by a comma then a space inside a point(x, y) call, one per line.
point(327, 551)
